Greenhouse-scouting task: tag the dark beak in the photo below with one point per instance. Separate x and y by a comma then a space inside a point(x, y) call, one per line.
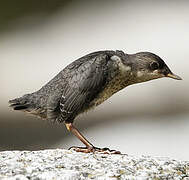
point(174, 76)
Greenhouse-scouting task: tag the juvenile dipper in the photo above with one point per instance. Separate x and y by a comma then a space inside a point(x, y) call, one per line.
point(86, 83)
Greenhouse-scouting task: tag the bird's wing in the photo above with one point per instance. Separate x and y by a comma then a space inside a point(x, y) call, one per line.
point(86, 80)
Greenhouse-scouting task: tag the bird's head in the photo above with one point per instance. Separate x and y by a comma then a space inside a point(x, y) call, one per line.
point(148, 66)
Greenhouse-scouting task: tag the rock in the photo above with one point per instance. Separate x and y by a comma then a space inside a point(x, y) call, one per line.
point(69, 165)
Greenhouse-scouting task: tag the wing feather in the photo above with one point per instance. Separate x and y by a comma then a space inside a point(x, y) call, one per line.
point(87, 80)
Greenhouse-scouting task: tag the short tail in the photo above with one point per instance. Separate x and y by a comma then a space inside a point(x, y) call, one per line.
point(21, 103)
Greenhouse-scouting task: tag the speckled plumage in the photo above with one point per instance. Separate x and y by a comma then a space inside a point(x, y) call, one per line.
point(86, 83)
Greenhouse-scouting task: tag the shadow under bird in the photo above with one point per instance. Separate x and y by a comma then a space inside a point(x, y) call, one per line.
point(88, 82)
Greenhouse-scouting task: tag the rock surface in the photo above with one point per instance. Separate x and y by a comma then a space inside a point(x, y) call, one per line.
point(68, 165)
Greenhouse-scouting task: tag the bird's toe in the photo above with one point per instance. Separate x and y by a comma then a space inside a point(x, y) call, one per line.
point(94, 150)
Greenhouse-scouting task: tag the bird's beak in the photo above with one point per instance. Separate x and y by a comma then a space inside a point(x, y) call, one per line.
point(174, 76)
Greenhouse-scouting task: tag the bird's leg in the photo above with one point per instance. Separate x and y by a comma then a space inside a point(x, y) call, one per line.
point(75, 131)
point(89, 147)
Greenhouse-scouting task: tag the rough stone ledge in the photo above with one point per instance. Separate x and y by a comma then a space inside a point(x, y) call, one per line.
point(68, 165)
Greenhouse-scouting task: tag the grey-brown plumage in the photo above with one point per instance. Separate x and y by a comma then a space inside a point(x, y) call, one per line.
point(90, 80)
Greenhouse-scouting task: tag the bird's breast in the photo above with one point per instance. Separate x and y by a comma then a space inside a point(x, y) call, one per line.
point(115, 85)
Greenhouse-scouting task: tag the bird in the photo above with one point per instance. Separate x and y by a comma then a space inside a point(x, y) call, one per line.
point(86, 83)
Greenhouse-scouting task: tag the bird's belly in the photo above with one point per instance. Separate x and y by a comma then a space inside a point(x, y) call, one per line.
point(111, 88)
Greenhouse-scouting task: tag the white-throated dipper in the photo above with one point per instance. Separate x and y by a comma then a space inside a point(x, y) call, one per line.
point(86, 83)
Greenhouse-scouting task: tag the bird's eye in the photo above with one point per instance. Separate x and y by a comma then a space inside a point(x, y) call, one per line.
point(154, 65)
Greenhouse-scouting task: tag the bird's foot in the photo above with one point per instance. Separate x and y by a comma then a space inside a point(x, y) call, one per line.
point(94, 150)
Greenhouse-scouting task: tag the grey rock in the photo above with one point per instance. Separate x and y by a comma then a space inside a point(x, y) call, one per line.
point(62, 164)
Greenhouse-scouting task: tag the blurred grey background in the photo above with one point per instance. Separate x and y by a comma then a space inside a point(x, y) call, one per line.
point(39, 38)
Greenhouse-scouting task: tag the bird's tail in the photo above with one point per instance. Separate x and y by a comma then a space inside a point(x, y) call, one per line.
point(22, 103)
